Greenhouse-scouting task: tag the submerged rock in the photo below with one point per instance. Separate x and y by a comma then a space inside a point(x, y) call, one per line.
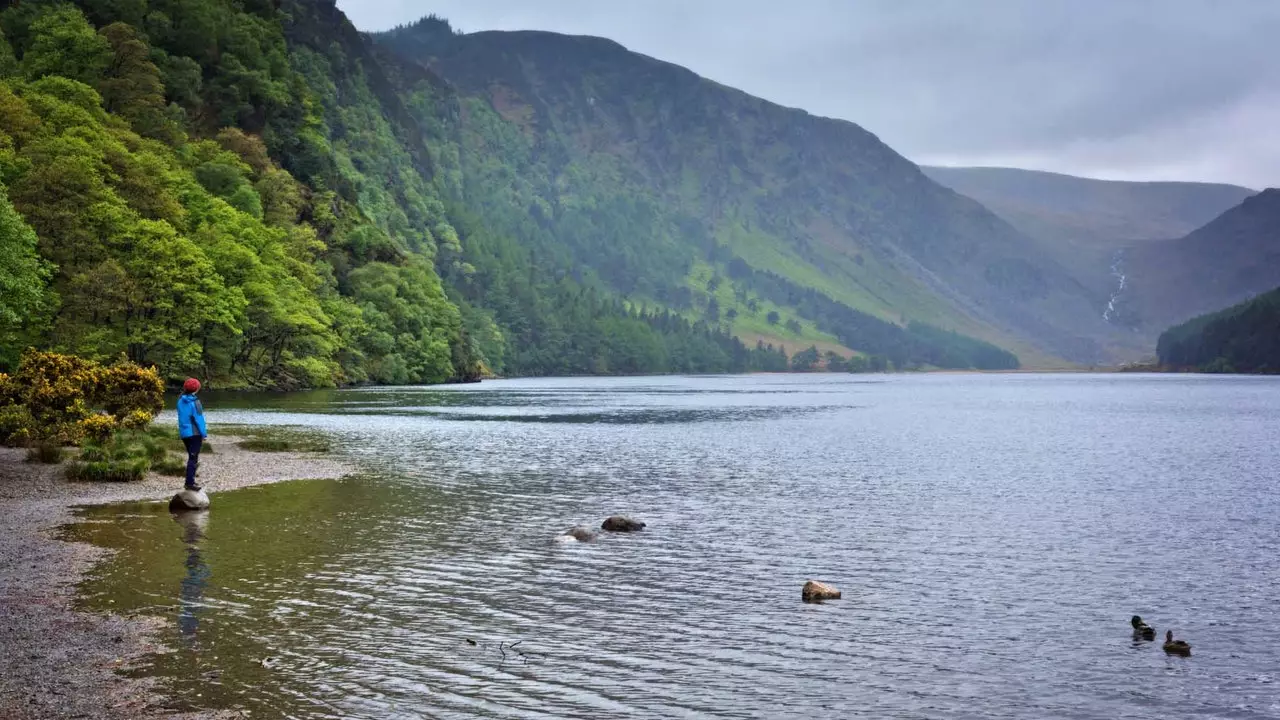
point(621, 523)
point(815, 591)
point(189, 500)
point(577, 534)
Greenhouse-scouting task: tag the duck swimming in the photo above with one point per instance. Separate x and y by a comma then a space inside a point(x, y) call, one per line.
point(1141, 629)
point(1176, 647)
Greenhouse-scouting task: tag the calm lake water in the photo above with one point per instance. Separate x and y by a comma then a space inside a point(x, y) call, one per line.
point(992, 535)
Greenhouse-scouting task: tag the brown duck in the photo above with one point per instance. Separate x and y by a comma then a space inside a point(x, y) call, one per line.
point(1176, 647)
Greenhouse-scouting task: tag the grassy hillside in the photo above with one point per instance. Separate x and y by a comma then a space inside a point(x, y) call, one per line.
point(1242, 338)
point(640, 171)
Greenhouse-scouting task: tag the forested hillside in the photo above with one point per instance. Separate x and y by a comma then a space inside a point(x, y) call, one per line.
point(1243, 338)
point(233, 190)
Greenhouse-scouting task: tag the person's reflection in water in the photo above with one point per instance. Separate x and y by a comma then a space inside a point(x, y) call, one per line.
point(191, 596)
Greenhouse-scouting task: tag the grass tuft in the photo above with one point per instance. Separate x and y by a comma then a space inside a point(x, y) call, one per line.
point(46, 454)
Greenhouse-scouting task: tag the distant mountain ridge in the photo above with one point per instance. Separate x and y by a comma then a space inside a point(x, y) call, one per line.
point(1039, 202)
point(1231, 259)
point(1161, 251)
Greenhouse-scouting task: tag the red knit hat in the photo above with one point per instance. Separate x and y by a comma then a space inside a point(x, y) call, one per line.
point(191, 385)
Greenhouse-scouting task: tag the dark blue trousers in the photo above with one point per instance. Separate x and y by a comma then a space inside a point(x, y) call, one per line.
point(193, 444)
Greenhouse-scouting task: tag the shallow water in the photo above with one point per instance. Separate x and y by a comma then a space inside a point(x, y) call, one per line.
point(992, 535)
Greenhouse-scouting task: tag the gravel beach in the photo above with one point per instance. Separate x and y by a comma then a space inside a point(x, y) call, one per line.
point(56, 662)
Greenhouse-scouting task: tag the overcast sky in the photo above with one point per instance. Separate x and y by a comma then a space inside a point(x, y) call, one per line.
point(1161, 89)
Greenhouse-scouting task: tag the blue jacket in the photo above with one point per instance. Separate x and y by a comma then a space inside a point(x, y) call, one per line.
point(191, 417)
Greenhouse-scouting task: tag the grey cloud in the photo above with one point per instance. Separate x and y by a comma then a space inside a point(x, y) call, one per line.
point(1171, 89)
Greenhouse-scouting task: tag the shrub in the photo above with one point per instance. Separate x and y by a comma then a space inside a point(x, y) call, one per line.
point(7, 390)
point(136, 420)
point(51, 398)
point(97, 428)
point(17, 427)
point(55, 390)
point(125, 389)
point(45, 453)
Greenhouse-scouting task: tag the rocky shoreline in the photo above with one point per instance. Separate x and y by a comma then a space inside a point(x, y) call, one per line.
point(55, 661)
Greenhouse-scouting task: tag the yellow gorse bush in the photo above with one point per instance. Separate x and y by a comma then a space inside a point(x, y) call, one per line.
point(53, 398)
point(97, 427)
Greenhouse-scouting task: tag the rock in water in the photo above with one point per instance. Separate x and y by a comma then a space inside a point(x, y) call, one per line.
point(189, 500)
point(578, 534)
point(815, 591)
point(621, 523)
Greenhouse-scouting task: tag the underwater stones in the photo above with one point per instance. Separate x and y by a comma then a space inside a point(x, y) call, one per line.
point(815, 591)
point(578, 533)
point(189, 500)
point(621, 523)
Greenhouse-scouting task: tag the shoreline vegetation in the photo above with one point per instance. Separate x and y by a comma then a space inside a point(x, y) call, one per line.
point(62, 662)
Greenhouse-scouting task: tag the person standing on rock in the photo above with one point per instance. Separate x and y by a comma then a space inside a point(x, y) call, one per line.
point(191, 427)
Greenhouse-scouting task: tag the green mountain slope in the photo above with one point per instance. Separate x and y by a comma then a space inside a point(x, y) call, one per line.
point(1241, 338)
point(654, 180)
point(1234, 257)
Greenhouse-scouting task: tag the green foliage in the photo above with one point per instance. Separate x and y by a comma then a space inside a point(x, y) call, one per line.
point(63, 43)
point(1244, 338)
point(122, 457)
point(805, 360)
point(171, 465)
point(22, 277)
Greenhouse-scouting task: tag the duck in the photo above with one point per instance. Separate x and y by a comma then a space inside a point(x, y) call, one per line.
point(1141, 629)
point(1176, 647)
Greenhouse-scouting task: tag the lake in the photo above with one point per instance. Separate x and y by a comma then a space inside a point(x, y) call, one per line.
point(992, 536)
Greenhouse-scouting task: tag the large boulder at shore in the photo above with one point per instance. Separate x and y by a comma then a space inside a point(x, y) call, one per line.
point(189, 500)
point(621, 523)
point(578, 534)
point(815, 591)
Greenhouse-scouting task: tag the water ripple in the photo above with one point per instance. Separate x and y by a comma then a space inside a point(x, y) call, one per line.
point(991, 534)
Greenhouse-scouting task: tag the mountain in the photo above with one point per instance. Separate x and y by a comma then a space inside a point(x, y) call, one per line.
point(1241, 338)
point(1232, 258)
point(256, 192)
point(1139, 243)
point(1088, 211)
point(676, 190)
